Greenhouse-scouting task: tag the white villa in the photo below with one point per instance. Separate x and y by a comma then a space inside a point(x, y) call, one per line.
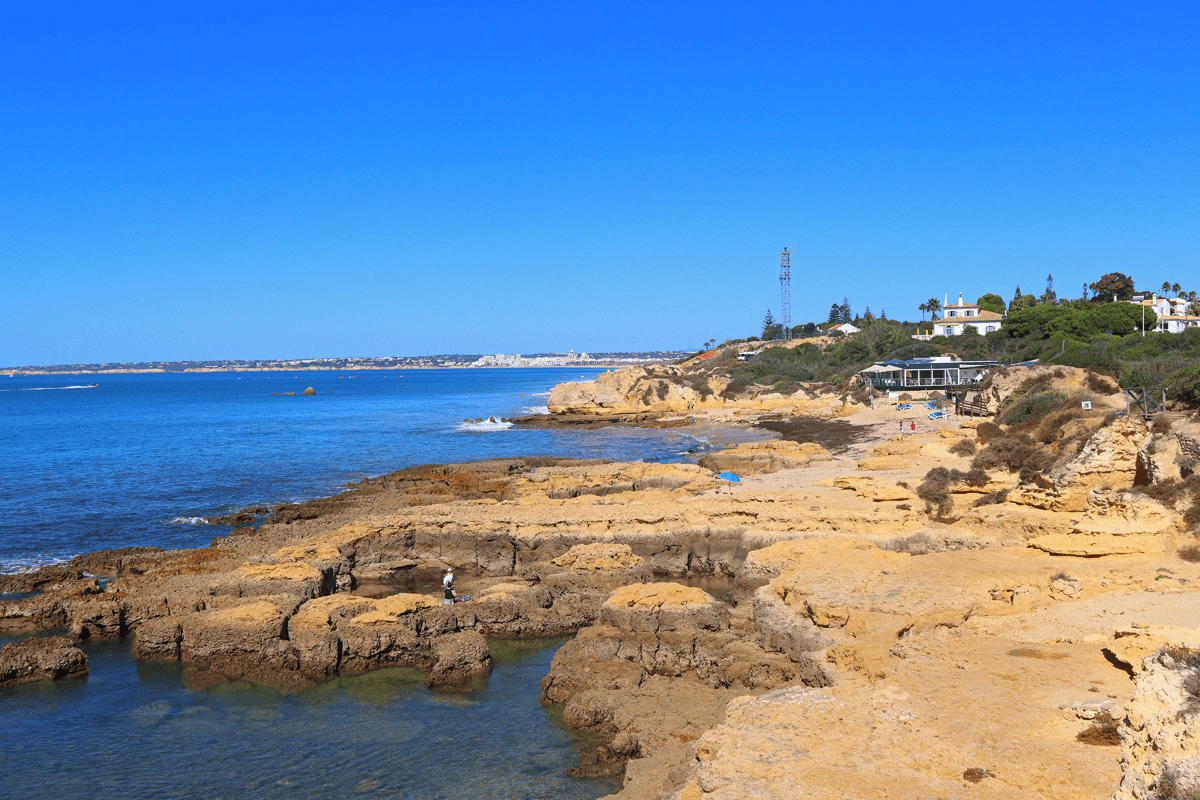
point(1173, 316)
point(960, 316)
point(845, 328)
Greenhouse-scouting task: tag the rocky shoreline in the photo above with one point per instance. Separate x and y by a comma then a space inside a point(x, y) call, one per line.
point(860, 640)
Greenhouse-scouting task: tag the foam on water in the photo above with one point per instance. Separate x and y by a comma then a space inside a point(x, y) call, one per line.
point(188, 521)
point(487, 426)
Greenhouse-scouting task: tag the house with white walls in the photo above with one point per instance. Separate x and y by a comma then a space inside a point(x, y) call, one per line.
point(1173, 316)
point(957, 317)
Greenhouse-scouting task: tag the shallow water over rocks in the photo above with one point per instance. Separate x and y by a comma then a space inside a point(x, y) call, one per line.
point(135, 729)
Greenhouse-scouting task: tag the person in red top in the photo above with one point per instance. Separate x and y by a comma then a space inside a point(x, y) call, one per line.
point(914, 426)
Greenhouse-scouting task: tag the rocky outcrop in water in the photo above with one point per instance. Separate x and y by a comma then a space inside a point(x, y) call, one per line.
point(41, 659)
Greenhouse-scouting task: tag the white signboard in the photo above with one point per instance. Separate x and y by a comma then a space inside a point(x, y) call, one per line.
point(1087, 405)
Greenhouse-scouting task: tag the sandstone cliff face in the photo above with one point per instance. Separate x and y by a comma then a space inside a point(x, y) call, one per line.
point(630, 390)
point(1109, 459)
point(1160, 737)
point(1114, 522)
point(669, 389)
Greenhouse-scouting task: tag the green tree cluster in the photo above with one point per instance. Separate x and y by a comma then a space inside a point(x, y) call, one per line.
point(991, 302)
point(1046, 321)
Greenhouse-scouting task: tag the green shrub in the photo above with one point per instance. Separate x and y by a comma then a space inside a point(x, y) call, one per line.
point(1098, 359)
point(1184, 385)
point(1033, 407)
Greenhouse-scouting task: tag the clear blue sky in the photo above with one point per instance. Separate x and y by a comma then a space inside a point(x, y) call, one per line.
point(209, 180)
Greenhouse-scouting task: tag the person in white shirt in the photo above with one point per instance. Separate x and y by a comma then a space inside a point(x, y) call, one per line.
point(448, 586)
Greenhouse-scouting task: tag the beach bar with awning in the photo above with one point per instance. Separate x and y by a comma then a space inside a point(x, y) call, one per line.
point(926, 373)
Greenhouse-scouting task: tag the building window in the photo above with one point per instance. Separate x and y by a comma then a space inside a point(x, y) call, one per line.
point(991, 328)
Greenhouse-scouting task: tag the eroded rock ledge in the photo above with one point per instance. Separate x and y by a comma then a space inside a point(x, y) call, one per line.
point(41, 659)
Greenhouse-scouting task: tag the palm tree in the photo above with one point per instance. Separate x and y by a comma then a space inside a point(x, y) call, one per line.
point(934, 305)
point(1166, 287)
point(923, 307)
point(1177, 289)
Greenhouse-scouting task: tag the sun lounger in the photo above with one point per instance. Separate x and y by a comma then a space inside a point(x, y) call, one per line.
point(932, 406)
point(939, 415)
point(904, 407)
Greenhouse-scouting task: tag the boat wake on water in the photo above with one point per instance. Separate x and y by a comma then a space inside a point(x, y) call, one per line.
point(51, 388)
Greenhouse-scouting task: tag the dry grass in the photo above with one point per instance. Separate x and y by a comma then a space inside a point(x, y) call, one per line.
point(976, 774)
point(918, 544)
point(993, 499)
point(963, 447)
point(1102, 733)
point(935, 489)
point(1170, 787)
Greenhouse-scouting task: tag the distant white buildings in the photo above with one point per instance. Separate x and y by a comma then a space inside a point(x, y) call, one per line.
point(845, 328)
point(1173, 316)
point(502, 360)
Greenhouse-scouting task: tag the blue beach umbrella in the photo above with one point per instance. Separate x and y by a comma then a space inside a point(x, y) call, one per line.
point(729, 476)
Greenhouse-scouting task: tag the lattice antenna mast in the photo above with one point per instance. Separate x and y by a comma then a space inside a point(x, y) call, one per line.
point(785, 289)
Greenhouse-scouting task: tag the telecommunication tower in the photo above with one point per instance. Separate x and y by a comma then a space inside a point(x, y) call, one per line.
point(785, 288)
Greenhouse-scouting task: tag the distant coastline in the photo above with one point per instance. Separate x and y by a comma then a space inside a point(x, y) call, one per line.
point(455, 361)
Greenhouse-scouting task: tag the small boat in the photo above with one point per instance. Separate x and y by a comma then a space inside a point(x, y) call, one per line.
point(93, 385)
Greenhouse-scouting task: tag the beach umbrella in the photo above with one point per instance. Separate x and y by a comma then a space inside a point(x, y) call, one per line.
point(729, 476)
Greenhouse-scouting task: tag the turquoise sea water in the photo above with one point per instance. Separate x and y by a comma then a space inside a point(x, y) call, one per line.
point(139, 459)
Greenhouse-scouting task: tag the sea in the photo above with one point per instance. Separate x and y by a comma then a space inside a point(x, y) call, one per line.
point(143, 459)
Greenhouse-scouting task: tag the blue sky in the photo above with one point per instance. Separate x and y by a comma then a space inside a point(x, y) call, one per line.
point(194, 181)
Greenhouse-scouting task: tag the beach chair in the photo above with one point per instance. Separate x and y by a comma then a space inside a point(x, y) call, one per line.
point(904, 407)
point(939, 415)
point(932, 406)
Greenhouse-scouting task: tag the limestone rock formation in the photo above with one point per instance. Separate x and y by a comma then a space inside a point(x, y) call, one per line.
point(41, 659)
point(654, 644)
point(599, 557)
point(458, 658)
point(1160, 737)
point(1109, 459)
point(760, 458)
point(1115, 522)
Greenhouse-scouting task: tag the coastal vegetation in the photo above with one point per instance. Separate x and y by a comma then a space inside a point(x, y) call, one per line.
point(1114, 341)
